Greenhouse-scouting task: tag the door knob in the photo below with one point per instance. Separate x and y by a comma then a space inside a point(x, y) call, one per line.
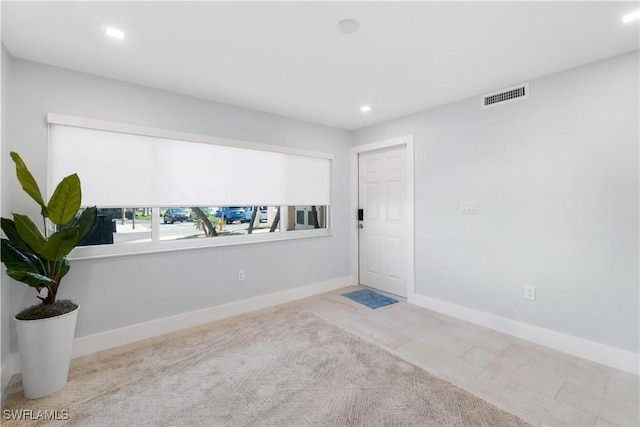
point(360, 225)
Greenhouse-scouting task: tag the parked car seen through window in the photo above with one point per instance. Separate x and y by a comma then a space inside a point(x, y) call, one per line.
point(172, 215)
point(232, 214)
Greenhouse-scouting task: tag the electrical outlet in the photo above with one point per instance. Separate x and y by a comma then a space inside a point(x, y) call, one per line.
point(468, 208)
point(240, 275)
point(529, 292)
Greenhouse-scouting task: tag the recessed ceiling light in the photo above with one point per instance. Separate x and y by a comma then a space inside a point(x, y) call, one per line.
point(348, 26)
point(631, 16)
point(113, 32)
point(365, 108)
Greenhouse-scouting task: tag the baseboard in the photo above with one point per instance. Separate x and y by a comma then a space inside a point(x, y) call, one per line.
point(595, 352)
point(6, 372)
point(90, 344)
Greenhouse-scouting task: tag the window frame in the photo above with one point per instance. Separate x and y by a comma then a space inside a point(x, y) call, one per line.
point(159, 246)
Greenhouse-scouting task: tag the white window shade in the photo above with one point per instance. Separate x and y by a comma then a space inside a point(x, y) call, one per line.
point(128, 169)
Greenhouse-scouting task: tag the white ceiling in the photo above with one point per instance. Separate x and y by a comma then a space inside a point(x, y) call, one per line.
point(289, 59)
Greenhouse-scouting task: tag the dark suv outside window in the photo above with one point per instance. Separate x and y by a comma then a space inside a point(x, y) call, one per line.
point(172, 215)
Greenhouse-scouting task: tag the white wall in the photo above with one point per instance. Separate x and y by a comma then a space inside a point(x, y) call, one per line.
point(118, 292)
point(555, 178)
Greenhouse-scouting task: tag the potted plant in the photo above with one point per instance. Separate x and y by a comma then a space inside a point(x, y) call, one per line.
point(39, 259)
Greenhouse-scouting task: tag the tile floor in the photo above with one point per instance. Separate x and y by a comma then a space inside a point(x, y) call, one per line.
point(542, 386)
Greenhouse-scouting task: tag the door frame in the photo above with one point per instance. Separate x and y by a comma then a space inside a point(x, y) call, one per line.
point(397, 142)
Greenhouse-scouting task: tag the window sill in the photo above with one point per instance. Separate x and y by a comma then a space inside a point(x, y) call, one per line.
point(144, 248)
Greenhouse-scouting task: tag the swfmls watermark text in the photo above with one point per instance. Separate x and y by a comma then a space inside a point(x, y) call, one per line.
point(36, 414)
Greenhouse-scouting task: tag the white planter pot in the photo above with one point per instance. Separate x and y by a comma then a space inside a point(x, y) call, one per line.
point(45, 353)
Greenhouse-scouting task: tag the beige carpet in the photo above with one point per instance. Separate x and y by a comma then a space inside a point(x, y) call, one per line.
point(286, 368)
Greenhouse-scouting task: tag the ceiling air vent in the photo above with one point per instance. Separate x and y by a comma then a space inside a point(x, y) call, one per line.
point(503, 96)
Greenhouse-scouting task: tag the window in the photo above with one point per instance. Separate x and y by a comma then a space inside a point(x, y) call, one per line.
point(120, 225)
point(307, 217)
point(212, 221)
point(198, 190)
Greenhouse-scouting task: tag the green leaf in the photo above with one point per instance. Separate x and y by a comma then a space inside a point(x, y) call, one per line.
point(86, 222)
point(65, 201)
point(64, 268)
point(9, 228)
point(30, 278)
point(29, 232)
point(28, 182)
point(60, 243)
point(15, 259)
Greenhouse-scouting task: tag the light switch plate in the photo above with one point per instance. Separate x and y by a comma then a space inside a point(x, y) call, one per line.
point(468, 208)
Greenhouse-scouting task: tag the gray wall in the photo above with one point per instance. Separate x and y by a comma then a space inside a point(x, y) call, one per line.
point(5, 309)
point(555, 178)
point(122, 291)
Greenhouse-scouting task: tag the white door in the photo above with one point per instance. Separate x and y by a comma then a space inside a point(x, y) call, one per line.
point(303, 218)
point(382, 230)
